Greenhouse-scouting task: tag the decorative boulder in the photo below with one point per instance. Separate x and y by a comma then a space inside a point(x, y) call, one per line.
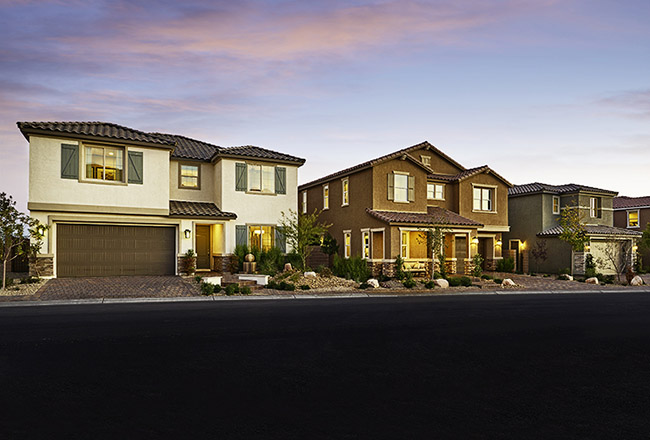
point(636, 281)
point(507, 283)
point(287, 267)
point(310, 274)
point(441, 282)
point(373, 283)
point(592, 280)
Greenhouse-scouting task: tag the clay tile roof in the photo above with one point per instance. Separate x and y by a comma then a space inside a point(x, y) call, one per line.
point(592, 230)
point(631, 202)
point(434, 215)
point(188, 148)
point(97, 129)
point(536, 187)
point(179, 208)
point(260, 153)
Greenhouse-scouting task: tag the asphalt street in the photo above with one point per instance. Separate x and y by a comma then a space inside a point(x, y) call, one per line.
point(518, 366)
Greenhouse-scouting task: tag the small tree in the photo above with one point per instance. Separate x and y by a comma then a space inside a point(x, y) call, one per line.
point(616, 255)
point(36, 235)
point(573, 231)
point(539, 253)
point(434, 236)
point(301, 231)
point(13, 225)
point(477, 261)
point(329, 245)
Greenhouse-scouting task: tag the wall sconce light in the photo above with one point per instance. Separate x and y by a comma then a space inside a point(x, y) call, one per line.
point(587, 248)
point(40, 230)
point(475, 240)
point(635, 248)
point(499, 243)
point(523, 245)
point(187, 233)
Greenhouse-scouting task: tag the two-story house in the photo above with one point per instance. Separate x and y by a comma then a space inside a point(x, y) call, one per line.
point(633, 213)
point(382, 208)
point(120, 201)
point(535, 210)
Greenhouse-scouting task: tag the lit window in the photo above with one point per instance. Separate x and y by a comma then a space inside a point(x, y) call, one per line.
point(556, 205)
point(261, 237)
point(405, 245)
point(189, 176)
point(632, 219)
point(304, 202)
point(105, 163)
point(401, 188)
point(261, 178)
point(365, 241)
point(345, 183)
point(482, 199)
point(426, 160)
point(326, 197)
point(595, 207)
point(435, 191)
point(347, 241)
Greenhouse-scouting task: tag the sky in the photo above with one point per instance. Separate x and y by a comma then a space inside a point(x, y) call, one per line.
point(541, 91)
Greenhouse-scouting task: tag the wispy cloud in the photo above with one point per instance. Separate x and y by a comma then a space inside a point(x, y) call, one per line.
point(632, 103)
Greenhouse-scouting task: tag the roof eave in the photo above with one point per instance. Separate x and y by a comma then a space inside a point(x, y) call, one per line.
point(62, 134)
point(218, 156)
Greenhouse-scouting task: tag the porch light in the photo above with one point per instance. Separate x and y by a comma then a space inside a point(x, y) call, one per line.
point(475, 240)
point(499, 243)
point(635, 248)
point(40, 230)
point(587, 248)
point(187, 233)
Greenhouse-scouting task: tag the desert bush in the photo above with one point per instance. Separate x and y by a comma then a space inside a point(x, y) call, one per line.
point(498, 280)
point(409, 282)
point(325, 271)
point(399, 268)
point(430, 284)
point(454, 281)
point(245, 290)
point(477, 260)
point(207, 289)
point(506, 265)
point(305, 287)
point(198, 279)
point(486, 276)
point(188, 262)
point(354, 268)
point(230, 289)
point(465, 281)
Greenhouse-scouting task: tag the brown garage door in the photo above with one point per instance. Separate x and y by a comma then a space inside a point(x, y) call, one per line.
point(104, 250)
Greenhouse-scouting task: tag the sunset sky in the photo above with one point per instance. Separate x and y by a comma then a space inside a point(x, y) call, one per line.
point(549, 91)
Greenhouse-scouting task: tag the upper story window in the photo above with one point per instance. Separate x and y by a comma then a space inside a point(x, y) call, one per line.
point(401, 188)
point(556, 205)
point(483, 199)
point(595, 207)
point(261, 178)
point(105, 163)
point(345, 192)
point(189, 176)
point(426, 160)
point(304, 202)
point(435, 191)
point(633, 219)
point(326, 197)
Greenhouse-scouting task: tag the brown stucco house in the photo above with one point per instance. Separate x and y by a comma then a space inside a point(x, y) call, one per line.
point(633, 213)
point(380, 209)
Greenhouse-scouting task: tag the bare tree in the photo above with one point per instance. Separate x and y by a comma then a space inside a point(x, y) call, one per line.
point(539, 252)
point(617, 255)
point(434, 237)
point(573, 230)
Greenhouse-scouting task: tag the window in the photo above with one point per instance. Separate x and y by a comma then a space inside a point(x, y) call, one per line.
point(595, 206)
point(401, 188)
point(188, 176)
point(633, 219)
point(405, 245)
point(435, 191)
point(556, 205)
point(304, 202)
point(345, 193)
point(347, 241)
point(483, 199)
point(326, 197)
point(105, 163)
point(261, 178)
point(365, 243)
point(261, 237)
point(426, 160)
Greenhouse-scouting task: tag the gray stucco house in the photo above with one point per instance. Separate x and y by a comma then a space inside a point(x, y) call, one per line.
point(534, 214)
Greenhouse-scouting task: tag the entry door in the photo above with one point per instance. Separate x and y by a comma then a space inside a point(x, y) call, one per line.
point(202, 247)
point(461, 254)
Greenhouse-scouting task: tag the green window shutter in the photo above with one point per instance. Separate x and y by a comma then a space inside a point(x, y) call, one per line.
point(241, 180)
point(280, 240)
point(391, 186)
point(280, 180)
point(411, 194)
point(135, 167)
point(240, 235)
point(69, 161)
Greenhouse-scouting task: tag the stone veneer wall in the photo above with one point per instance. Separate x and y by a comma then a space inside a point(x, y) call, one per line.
point(43, 267)
point(579, 263)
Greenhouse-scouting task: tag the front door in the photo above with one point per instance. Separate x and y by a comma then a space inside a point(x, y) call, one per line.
point(461, 253)
point(203, 247)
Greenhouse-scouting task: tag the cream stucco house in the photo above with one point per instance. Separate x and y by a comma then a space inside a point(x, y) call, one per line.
point(120, 201)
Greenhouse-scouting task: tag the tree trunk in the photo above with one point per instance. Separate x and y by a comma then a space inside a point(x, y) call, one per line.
point(4, 274)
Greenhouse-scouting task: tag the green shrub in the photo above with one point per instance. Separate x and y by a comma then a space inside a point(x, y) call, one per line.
point(325, 272)
point(207, 289)
point(271, 262)
point(506, 265)
point(465, 281)
point(241, 250)
point(304, 287)
point(188, 262)
point(295, 260)
point(409, 282)
point(364, 286)
point(245, 290)
point(354, 268)
point(399, 268)
point(565, 271)
point(486, 276)
point(8, 282)
point(430, 284)
point(217, 288)
point(272, 285)
point(477, 260)
point(498, 280)
point(198, 279)
point(287, 286)
point(454, 281)
point(437, 275)
point(230, 289)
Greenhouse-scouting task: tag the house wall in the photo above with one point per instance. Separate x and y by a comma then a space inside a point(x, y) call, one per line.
point(620, 218)
point(465, 193)
point(558, 256)
point(439, 164)
point(207, 177)
point(48, 191)
point(525, 214)
point(379, 187)
point(451, 197)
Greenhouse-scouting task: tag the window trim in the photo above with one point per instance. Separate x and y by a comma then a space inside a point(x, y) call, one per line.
point(180, 176)
point(555, 212)
point(304, 202)
point(82, 163)
point(597, 209)
point(444, 188)
point(638, 218)
point(326, 198)
point(405, 174)
point(347, 248)
point(364, 248)
point(248, 180)
point(494, 198)
point(345, 194)
point(252, 225)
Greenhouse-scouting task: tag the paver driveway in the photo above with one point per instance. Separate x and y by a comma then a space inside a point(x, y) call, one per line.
point(115, 287)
